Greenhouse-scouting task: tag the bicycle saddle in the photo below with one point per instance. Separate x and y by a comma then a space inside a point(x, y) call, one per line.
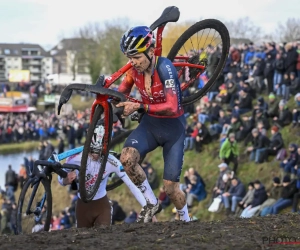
point(170, 14)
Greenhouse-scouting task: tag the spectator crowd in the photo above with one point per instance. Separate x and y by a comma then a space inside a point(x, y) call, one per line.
point(255, 97)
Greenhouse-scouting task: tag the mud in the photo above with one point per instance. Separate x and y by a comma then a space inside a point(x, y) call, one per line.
point(228, 234)
point(129, 159)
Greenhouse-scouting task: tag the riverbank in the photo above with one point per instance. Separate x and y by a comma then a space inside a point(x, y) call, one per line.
point(29, 146)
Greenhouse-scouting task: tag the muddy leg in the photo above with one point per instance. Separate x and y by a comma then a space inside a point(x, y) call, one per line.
point(175, 194)
point(129, 159)
point(178, 199)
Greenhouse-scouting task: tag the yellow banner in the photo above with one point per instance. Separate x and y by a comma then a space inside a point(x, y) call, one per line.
point(16, 75)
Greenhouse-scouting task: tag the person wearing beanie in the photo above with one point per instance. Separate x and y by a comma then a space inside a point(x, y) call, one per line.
point(273, 109)
point(259, 197)
point(274, 194)
point(276, 143)
point(286, 200)
point(284, 116)
point(296, 111)
point(287, 165)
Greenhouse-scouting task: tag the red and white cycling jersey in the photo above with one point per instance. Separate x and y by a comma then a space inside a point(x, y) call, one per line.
point(113, 165)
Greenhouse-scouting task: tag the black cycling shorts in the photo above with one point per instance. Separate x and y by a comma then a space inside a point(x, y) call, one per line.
point(169, 133)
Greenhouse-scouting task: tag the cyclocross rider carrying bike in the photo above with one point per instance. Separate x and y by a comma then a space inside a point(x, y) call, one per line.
point(99, 210)
point(163, 122)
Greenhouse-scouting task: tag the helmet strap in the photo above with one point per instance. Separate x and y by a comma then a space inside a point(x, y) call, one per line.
point(150, 59)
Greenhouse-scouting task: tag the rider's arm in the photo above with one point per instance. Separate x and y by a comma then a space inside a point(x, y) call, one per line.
point(119, 170)
point(127, 83)
point(168, 76)
point(75, 159)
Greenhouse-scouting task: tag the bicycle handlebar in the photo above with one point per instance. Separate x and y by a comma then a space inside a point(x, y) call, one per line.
point(96, 89)
point(56, 166)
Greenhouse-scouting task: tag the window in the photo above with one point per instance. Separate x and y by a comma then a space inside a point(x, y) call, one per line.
point(6, 51)
point(16, 52)
point(34, 53)
point(16, 58)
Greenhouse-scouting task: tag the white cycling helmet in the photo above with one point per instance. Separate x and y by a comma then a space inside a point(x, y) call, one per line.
point(97, 138)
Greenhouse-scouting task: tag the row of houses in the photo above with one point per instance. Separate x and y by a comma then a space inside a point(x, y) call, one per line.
point(57, 65)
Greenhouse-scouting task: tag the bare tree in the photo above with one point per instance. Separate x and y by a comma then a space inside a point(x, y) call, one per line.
point(289, 31)
point(102, 47)
point(243, 28)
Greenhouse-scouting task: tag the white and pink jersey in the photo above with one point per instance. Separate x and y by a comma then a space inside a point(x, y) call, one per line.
point(113, 165)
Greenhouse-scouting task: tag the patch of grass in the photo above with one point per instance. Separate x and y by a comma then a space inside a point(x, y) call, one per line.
point(22, 146)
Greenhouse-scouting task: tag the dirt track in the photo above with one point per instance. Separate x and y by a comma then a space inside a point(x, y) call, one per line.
point(228, 234)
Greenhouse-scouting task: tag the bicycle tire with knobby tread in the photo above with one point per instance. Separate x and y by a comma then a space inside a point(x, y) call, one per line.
point(84, 195)
point(47, 187)
point(204, 24)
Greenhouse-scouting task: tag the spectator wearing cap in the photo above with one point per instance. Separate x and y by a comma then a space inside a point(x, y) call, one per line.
point(259, 197)
point(259, 144)
point(273, 104)
point(244, 104)
point(284, 115)
point(296, 111)
point(288, 191)
point(274, 194)
point(287, 165)
point(234, 195)
point(229, 151)
point(219, 185)
point(276, 143)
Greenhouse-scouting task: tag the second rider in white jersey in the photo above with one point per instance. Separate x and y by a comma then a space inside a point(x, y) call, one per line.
point(98, 211)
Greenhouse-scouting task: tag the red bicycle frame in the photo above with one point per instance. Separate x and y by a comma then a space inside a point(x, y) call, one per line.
point(103, 100)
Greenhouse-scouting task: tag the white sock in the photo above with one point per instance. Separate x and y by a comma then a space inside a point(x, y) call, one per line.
point(184, 214)
point(148, 192)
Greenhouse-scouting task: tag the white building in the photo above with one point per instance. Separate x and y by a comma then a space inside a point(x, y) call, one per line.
point(23, 56)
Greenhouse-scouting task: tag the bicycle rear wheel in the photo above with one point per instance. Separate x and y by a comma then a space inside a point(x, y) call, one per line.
point(89, 182)
point(202, 55)
point(34, 209)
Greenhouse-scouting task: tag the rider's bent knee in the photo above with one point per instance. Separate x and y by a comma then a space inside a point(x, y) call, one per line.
point(129, 157)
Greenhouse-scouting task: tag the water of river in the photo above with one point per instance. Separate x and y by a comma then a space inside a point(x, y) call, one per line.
point(15, 160)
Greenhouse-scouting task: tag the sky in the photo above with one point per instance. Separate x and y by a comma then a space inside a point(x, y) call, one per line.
point(46, 22)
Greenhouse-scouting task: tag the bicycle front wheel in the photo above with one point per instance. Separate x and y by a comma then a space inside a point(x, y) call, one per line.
point(205, 43)
point(90, 176)
point(34, 209)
